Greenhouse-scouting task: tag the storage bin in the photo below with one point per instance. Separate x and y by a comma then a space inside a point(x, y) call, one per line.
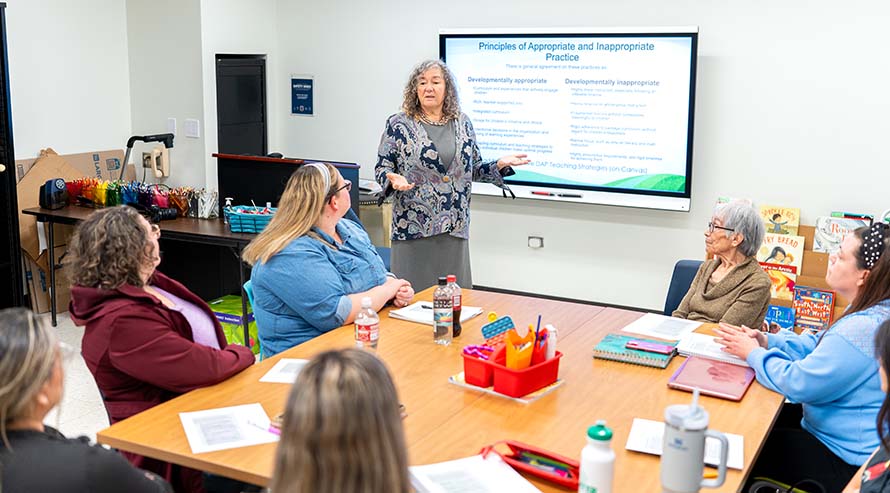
point(241, 221)
point(477, 371)
point(517, 383)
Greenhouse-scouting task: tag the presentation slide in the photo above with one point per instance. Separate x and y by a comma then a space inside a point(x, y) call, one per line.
point(597, 112)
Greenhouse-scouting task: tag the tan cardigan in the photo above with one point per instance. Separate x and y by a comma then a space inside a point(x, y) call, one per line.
point(740, 298)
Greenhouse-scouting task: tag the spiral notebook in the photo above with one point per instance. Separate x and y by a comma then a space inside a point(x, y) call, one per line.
point(706, 346)
point(613, 347)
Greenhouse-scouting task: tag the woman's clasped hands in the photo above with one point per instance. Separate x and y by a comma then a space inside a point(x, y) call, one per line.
point(739, 341)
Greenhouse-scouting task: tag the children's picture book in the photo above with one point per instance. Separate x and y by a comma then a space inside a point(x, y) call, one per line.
point(813, 308)
point(781, 257)
point(614, 347)
point(780, 220)
point(830, 231)
point(779, 317)
point(714, 378)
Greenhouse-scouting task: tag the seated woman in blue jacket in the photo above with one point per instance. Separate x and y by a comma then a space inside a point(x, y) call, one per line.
point(312, 267)
point(832, 378)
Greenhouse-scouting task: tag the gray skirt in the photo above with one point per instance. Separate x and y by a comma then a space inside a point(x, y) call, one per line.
point(424, 260)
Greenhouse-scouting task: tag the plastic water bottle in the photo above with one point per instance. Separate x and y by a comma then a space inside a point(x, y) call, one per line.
point(442, 313)
point(367, 326)
point(455, 304)
point(597, 460)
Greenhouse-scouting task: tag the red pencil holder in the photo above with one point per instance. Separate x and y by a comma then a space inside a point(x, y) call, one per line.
point(477, 371)
point(517, 383)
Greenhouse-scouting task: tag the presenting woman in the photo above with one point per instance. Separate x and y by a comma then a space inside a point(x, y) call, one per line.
point(311, 267)
point(429, 157)
point(732, 287)
point(833, 376)
point(33, 456)
point(342, 429)
point(147, 337)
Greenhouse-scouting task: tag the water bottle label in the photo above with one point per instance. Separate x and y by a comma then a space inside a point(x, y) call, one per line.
point(367, 333)
point(586, 489)
point(456, 302)
point(443, 317)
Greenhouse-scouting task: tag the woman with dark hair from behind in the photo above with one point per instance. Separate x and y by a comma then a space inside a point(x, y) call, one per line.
point(342, 429)
point(873, 477)
point(148, 338)
point(35, 457)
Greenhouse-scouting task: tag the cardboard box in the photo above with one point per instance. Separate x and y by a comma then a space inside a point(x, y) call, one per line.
point(105, 165)
point(228, 311)
point(38, 287)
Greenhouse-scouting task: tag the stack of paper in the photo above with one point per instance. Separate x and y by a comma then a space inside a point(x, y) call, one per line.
point(227, 427)
point(422, 312)
point(662, 327)
point(706, 346)
point(647, 436)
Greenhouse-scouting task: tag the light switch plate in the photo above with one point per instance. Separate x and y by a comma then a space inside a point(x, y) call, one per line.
point(171, 125)
point(192, 128)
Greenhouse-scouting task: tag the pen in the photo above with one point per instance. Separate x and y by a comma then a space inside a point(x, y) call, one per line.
point(426, 307)
point(546, 194)
point(570, 195)
point(271, 429)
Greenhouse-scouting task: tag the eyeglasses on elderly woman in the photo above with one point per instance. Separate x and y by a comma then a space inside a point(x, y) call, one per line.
point(712, 227)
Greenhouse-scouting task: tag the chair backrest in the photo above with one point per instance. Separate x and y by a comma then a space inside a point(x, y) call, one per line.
point(248, 290)
point(384, 252)
point(684, 273)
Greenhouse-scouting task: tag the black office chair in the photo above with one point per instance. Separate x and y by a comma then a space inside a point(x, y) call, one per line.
point(684, 273)
point(384, 252)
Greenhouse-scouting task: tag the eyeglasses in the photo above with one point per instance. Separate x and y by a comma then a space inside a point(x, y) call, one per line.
point(712, 227)
point(347, 185)
point(155, 230)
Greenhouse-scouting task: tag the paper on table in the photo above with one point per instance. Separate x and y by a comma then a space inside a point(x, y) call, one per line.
point(284, 371)
point(469, 475)
point(422, 312)
point(646, 436)
point(707, 347)
point(662, 327)
point(227, 427)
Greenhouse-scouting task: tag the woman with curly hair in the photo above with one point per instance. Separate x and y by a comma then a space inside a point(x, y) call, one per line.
point(429, 157)
point(147, 337)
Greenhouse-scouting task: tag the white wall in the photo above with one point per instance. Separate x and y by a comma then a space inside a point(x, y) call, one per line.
point(237, 27)
point(68, 75)
point(166, 81)
point(790, 110)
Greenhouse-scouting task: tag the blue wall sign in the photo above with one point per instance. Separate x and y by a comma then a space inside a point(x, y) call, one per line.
point(301, 96)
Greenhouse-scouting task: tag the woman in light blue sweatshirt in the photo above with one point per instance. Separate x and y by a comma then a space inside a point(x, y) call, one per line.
point(831, 378)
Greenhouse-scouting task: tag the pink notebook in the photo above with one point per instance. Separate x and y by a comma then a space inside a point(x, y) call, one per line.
point(714, 378)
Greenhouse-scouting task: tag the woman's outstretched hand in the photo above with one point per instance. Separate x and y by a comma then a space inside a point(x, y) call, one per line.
point(513, 160)
point(399, 182)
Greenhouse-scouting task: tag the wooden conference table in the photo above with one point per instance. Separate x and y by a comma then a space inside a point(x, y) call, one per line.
point(446, 422)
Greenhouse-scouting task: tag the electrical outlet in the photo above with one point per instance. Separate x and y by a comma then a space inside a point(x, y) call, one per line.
point(146, 160)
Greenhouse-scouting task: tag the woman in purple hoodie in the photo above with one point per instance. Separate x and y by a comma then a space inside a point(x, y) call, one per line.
point(147, 338)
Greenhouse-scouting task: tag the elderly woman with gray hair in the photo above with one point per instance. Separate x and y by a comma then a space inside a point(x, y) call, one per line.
point(731, 287)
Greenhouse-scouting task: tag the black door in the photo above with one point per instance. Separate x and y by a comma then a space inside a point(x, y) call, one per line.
point(241, 104)
point(11, 290)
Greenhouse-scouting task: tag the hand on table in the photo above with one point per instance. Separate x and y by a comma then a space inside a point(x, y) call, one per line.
point(513, 160)
point(739, 341)
point(399, 182)
point(404, 296)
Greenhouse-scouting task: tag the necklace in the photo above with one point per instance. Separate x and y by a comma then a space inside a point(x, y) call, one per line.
point(428, 121)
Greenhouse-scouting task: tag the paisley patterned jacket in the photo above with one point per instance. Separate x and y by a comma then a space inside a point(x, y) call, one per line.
point(440, 200)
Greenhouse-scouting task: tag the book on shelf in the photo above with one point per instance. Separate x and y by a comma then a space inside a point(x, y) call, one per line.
point(712, 377)
point(779, 317)
point(780, 220)
point(781, 257)
point(614, 347)
point(830, 231)
point(813, 308)
point(705, 346)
